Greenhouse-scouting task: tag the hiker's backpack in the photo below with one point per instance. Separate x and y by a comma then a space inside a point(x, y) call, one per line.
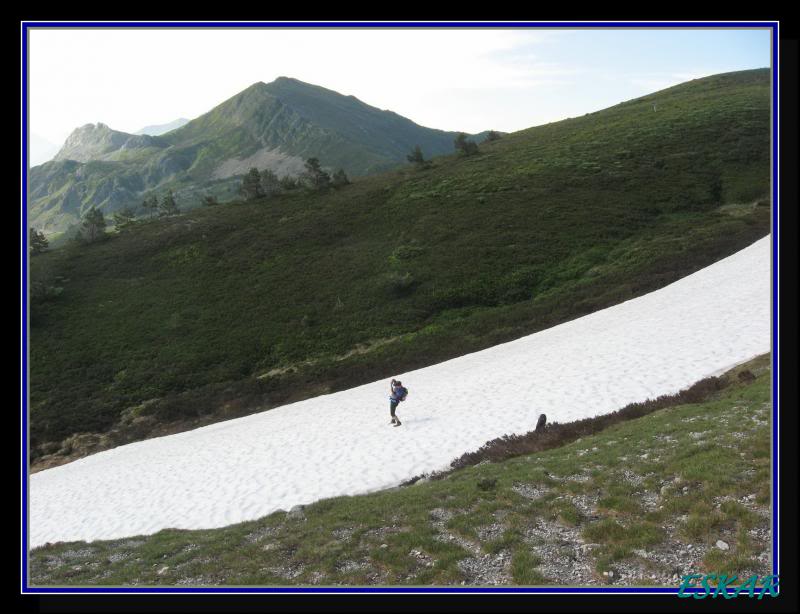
point(405, 393)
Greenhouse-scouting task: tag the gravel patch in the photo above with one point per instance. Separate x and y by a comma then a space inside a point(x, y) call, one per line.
point(422, 558)
point(116, 557)
point(343, 533)
point(586, 504)
point(289, 572)
point(349, 566)
point(668, 562)
point(632, 477)
point(486, 569)
point(565, 558)
point(491, 532)
point(260, 534)
point(530, 491)
point(196, 581)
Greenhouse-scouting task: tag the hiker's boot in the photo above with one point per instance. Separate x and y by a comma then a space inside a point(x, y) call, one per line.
point(397, 422)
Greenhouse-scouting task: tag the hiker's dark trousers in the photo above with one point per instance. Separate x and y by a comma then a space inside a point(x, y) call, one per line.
point(392, 407)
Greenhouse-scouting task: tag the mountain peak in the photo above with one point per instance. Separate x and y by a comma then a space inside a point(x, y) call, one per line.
point(94, 141)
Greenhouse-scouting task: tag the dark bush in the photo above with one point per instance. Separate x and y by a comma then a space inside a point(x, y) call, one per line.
point(746, 376)
point(487, 484)
point(400, 285)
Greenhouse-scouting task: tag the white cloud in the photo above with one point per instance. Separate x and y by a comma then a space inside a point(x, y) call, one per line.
point(455, 79)
point(130, 78)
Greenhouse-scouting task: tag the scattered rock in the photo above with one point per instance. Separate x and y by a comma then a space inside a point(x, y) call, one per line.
point(297, 513)
point(163, 570)
point(564, 559)
point(350, 566)
point(259, 534)
point(421, 557)
point(632, 478)
point(343, 533)
point(529, 491)
point(486, 569)
point(722, 545)
point(491, 532)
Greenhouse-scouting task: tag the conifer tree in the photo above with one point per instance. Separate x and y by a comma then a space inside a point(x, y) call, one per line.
point(314, 176)
point(251, 185)
point(38, 242)
point(124, 218)
point(93, 227)
point(464, 146)
point(270, 184)
point(339, 179)
point(168, 206)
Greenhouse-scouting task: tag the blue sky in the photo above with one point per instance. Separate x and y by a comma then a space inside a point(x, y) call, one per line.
point(453, 79)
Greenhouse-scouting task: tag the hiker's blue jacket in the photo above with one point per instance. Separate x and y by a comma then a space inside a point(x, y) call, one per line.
point(398, 394)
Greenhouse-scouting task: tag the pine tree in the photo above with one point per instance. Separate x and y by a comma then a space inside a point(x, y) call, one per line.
point(339, 179)
point(314, 176)
point(270, 184)
point(251, 185)
point(38, 242)
point(288, 183)
point(464, 146)
point(93, 227)
point(416, 157)
point(124, 218)
point(168, 206)
point(150, 205)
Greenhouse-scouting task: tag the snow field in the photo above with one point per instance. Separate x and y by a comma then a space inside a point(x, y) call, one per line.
point(342, 443)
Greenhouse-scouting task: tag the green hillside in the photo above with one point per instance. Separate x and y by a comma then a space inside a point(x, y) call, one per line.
point(231, 309)
point(269, 125)
point(629, 505)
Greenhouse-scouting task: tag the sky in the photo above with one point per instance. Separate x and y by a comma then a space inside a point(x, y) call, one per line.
point(469, 79)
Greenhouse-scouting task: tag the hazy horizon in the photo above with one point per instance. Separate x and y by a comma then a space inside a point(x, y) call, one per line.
point(466, 79)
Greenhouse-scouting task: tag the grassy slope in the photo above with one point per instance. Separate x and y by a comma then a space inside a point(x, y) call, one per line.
point(178, 321)
point(645, 500)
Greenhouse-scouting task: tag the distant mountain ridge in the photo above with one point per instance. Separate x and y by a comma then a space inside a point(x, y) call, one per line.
point(159, 129)
point(40, 149)
point(268, 125)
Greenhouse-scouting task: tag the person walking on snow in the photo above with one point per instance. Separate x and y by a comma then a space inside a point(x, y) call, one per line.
point(398, 395)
